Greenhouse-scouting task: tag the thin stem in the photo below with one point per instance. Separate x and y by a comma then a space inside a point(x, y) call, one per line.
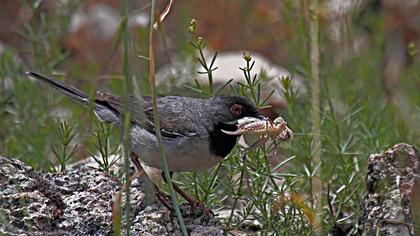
point(208, 70)
point(213, 180)
point(315, 108)
point(250, 82)
point(124, 13)
point(237, 195)
point(157, 124)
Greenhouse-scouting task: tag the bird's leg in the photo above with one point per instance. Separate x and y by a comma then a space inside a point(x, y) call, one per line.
point(192, 201)
point(135, 159)
point(161, 197)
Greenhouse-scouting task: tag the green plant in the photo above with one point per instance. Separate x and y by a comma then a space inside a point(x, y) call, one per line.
point(199, 44)
point(65, 135)
point(108, 154)
point(355, 119)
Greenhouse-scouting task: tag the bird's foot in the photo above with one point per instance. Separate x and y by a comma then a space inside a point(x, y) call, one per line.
point(163, 198)
point(199, 205)
point(192, 201)
point(198, 208)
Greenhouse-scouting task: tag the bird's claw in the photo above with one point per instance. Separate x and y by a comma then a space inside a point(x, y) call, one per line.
point(194, 204)
point(199, 205)
point(163, 198)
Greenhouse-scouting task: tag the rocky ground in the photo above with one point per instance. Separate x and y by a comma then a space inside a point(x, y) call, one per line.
point(79, 201)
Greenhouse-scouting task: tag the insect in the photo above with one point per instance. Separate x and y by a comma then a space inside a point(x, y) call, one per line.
point(276, 130)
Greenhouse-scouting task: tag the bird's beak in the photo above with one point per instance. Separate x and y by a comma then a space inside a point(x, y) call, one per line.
point(245, 120)
point(261, 117)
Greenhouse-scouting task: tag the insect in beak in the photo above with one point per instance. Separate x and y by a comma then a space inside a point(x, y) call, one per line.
point(276, 130)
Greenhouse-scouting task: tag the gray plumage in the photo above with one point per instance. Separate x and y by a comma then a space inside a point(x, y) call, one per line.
point(190, 127)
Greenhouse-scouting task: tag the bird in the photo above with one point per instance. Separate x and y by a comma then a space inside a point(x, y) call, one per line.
point(191, 128)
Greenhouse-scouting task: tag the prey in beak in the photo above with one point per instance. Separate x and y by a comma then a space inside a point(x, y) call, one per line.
point(277, 130)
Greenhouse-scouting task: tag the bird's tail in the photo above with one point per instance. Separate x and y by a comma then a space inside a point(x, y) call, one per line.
point(103, 112)
point(68, 90)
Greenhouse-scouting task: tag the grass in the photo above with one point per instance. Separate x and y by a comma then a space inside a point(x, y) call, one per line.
point(355, 120)
point(156, 121)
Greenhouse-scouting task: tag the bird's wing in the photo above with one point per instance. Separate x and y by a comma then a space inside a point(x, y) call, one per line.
point(172, 119)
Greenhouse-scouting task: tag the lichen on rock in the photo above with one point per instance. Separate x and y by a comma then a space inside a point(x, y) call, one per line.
point(78, 201)
point(391, 182)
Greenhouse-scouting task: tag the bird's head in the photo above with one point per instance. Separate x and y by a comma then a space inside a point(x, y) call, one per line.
point(227, 110)
point(232, 108)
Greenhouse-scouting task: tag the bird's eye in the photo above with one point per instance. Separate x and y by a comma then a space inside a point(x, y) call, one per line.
point(236, 109)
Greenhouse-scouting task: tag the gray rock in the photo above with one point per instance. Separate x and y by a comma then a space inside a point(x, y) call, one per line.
point(392, 183)
point(79, 201)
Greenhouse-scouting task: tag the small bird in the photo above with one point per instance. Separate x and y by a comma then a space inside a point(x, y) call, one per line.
point(191, 128)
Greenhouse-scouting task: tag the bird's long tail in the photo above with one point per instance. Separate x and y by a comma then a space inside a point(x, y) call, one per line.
point(68, 90)
point(103, 112)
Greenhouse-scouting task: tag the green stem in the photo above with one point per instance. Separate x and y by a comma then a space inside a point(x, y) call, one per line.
point(315, 108)
point(237, 196)
point(250, 82)
point(63, 156)
point(213, 180)
point(124, 13)
point(209, 71)
point(157, 124)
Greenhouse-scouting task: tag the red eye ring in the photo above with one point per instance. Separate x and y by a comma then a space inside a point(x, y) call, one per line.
point(236, 109)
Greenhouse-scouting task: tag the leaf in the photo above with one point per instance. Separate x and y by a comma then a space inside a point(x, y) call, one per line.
point(221, 88)
point(268, 97)
point(163, 15)
point(282, 163)
point(119, 33)
point(194, 89)
point(214, 59)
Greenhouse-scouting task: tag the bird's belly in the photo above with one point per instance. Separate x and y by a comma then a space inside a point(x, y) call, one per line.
point(182, 153)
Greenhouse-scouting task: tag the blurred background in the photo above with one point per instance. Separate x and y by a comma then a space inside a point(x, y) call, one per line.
point(369, 75)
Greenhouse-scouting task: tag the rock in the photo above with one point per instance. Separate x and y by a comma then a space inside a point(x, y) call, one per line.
point(392, 183)
point(79, 201)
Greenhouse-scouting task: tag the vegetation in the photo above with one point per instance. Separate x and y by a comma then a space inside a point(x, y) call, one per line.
point(358, 116)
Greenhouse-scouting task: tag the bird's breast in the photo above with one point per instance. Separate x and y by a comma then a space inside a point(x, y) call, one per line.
point(182, 153)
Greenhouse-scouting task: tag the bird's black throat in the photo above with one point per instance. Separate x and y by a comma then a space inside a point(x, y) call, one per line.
point(222, 144)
